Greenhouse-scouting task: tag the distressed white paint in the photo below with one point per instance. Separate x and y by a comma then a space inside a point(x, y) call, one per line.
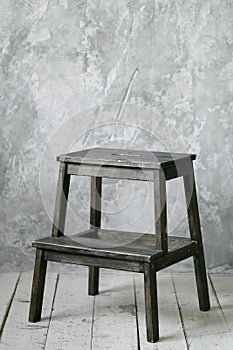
point(204, 330)
point(71, 321)
point(18, 332)
point(171, 332)
point(223, 287)
point(8, 283)
point(114, 326)
point(114, 314)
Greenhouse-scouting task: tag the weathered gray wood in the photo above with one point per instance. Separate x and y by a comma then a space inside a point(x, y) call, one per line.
point(110, 172)
point(114, 314)
point(95, 202)
point(104, 243)
point(106, 263)
point(95, 221)
point(137, 174)
point(18, 333)
point(71, 319)
point(93, 280)
point(111, 249)
point(151, 304)
point(212, 330)
point(90, 247)
point(203, 330)
point(160, 210)
point(8, 285)
point(176, 255)
point(179, 167)
point(171, 332)
point(223, 294)
point(111, 238)
point(125, 158)
point(38, 284)
point(61, 201)
point(195, 232)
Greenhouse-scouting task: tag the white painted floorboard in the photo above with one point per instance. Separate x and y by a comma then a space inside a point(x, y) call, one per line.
point(171, 332)
point(8, 283)
point(71, 322)
point(115, 324)
point(115, 319)
point(223, 290)
point(204, 330)
point(18, 333)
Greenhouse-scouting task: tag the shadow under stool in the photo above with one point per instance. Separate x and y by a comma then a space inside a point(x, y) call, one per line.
point(130, 251)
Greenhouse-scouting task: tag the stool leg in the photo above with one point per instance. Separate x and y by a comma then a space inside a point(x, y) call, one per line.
point(160, 209)
point(93, 282)
point(195, 232)
point(37, 287)
point(151, 304)
point(95, 221)
point(61, 201)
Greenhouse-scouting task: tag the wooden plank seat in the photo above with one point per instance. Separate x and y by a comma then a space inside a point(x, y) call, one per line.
point(129, 251)
point(125, 158)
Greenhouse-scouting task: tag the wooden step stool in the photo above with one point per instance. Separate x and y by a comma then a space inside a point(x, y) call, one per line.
point(129, 251)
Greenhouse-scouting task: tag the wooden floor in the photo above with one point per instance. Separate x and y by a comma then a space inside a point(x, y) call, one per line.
point(115, 318)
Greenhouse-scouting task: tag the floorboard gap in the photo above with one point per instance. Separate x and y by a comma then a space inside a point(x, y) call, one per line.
point(180, 313)
point(218, 302)
point(136, 312)
point(51, 312)
point(92, 324)
point(9, 307)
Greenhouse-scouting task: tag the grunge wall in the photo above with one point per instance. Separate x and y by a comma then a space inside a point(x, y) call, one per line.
point(70, 65)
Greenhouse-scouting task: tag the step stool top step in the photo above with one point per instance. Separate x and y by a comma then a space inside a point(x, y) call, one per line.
point(125, 158)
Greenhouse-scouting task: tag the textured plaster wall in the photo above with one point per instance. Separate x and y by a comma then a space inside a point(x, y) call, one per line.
point(65, 66)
